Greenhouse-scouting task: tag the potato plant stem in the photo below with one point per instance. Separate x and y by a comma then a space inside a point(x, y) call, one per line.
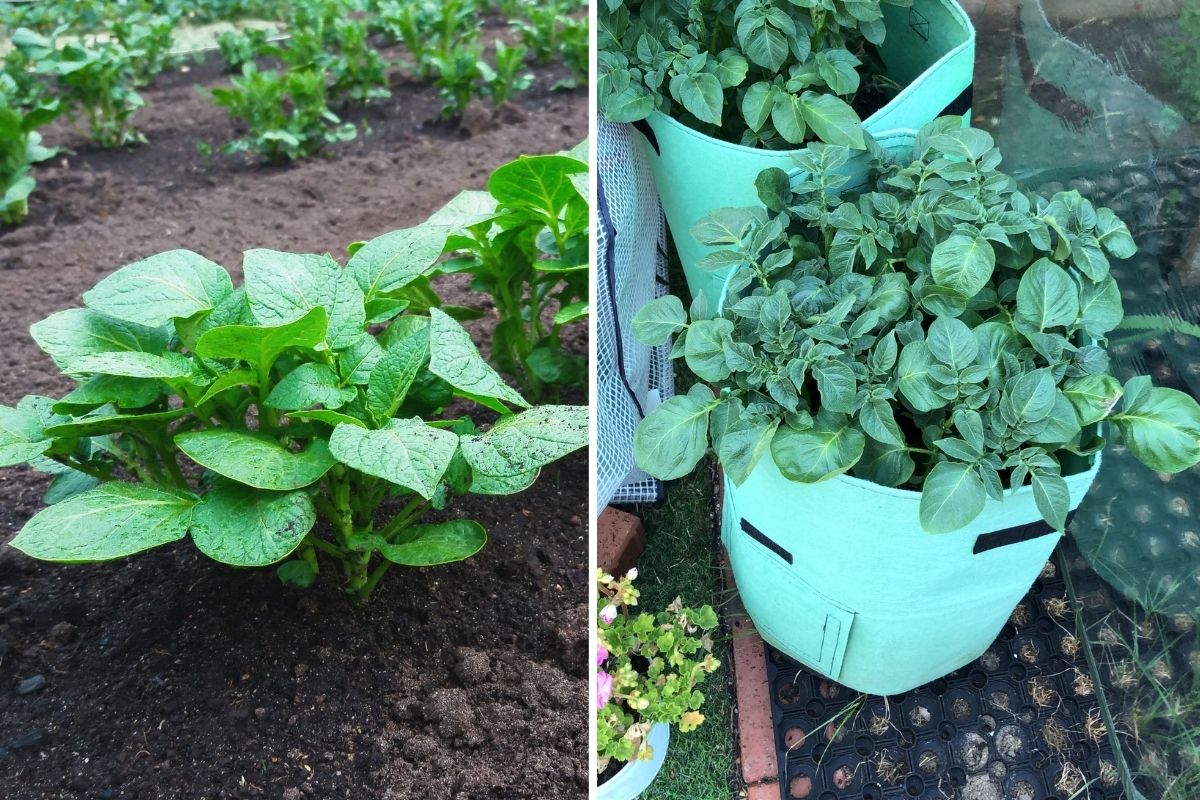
point(373, 579)
point(414, 509)
point(325, 547)
point(79, 466)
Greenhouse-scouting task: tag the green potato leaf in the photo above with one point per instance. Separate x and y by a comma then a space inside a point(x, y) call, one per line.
point(260, 345)
point(246, 527)
point(178, 284)
point(431, 545)
point(672, 439)
point(1047, 297)
point(390, 262)
point(454, 358)
point(963, 263)
point(660, 319)
point(309, 385)
point(827, 449)
point(113, 520)
point(255, 460)
point(77, 332)
point(407, 452)
point(951, 497)
point(285, 287)
point(1160, 426)
point(521, 444)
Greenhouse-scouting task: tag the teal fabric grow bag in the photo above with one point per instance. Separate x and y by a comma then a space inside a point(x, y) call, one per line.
point(840, 576)
point(929, 49)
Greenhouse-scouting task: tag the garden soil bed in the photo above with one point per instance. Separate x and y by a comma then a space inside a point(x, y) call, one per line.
point(170, 676)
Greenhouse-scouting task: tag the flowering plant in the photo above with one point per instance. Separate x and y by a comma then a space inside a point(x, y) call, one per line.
point(648, 667)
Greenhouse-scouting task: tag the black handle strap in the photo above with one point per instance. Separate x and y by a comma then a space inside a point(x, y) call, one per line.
point(1015, 535)
point(766, 541)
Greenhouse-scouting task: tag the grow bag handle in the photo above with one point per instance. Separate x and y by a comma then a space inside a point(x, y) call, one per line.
point(1016, 534)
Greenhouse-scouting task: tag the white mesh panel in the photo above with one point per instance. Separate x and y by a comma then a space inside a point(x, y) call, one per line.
point(631, 377)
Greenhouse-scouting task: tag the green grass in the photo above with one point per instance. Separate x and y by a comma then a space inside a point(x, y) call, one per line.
point(680, 560)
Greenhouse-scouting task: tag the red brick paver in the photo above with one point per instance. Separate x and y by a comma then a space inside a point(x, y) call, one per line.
point(620, 539)
point(756, 732)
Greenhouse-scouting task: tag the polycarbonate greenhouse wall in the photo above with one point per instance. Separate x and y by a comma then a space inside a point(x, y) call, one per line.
point(1103, 96)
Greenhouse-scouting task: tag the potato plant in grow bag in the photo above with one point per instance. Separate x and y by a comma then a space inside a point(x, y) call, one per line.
point(937, 333)
point(289, 401)
point(755, 72)
point(525, 242)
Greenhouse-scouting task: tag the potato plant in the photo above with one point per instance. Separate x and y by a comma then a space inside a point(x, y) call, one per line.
point(239, 417)
point(324, 38)
point(430, 30)
point(20, 148)
point(241, 47)
point(286, 113)
point(508, 77)
point(939, 331)
point(525, 242)
point(459, 77)
point(94, 81)
point(148, 38)
point(756, 73)
point(539, 27)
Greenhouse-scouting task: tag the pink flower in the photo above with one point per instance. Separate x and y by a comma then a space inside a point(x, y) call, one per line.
point(608, 614)
point(604, 688)
point(601, 655)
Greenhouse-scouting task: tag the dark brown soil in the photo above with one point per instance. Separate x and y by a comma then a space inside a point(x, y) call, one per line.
point(169, 676)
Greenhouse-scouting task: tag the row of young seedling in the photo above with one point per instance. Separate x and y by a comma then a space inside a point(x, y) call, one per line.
point(90, 64)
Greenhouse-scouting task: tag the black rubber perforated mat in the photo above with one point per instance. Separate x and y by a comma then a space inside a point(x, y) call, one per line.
point(1022, 722)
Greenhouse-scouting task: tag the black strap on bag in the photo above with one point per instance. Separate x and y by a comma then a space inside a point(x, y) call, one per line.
point(1015, 535)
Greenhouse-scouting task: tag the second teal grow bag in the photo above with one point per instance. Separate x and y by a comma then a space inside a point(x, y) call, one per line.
point(929, 49)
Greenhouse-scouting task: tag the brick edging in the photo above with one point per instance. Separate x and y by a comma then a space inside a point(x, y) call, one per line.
point(755, 726)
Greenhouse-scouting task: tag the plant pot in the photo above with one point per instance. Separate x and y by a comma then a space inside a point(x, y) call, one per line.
point(840, 576)
point(929, 49)
point(633, 778)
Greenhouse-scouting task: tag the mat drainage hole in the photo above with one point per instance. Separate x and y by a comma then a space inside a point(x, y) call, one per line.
point(863, 746)
point(800, 787)
point(958, 776)
point(794, 738)
point(977, 677)
point(946, 731)
point(815, 708)
point(914, 785)
point(907, 738)
point(872, 791)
